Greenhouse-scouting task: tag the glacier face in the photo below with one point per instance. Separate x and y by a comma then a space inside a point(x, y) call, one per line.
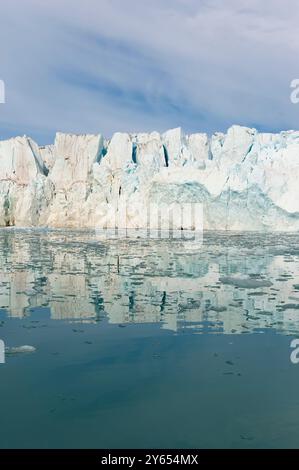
point(245, 180)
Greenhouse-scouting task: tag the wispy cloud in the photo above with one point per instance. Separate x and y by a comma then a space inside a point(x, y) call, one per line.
point(107, 65)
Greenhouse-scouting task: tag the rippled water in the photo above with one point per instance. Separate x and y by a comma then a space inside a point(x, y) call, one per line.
point(146, 343)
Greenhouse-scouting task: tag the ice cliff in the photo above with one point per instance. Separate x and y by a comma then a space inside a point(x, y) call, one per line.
point(245, 180)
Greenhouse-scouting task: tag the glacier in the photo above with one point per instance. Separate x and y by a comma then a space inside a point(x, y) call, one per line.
point(244, 179)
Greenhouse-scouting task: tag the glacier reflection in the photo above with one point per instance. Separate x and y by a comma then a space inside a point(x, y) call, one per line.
point(81, 277)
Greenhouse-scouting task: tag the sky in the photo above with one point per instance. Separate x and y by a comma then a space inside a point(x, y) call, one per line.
point(102, 66)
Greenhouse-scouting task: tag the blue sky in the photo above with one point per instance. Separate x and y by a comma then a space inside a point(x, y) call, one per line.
point(139, 65)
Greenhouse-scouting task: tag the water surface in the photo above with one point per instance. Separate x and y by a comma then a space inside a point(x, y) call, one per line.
point(144, 343)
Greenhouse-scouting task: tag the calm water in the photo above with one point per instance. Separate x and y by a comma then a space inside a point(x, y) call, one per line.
point(146, 344)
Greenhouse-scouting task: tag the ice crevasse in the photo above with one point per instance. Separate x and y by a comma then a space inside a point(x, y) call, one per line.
point(245, 180)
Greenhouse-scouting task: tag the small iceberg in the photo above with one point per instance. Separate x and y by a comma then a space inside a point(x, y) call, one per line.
point(217, 309)
point(20, 349)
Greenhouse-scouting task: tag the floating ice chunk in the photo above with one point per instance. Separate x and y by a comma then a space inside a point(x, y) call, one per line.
point(20, 349)
point(217, 309)
point(245, 282)
point(284, 307)
point(190, 305)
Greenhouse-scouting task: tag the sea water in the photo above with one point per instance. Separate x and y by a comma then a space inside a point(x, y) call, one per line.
point(147, 343)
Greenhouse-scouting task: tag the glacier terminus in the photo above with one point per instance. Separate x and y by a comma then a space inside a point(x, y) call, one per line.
point(244, 179)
